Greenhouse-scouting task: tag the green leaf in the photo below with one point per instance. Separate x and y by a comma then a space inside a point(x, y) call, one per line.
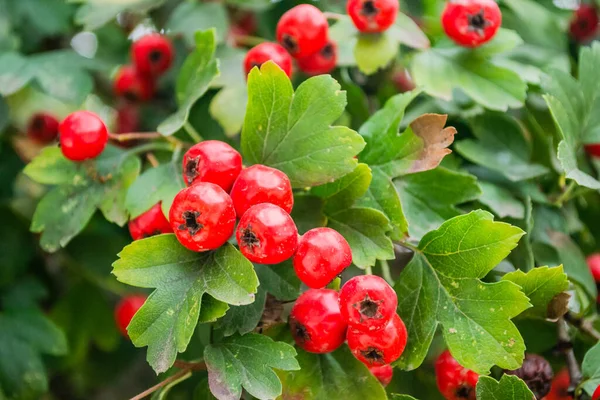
point(430, 198)
point(406, 31)
point(590, 369)
point(50, 17)
point(243, 319)
point(441, 285)
point(159, 184)
point(50, 167)
point(292, 131)
point(337, 375)
point(374, 52)
point(279, 280)
point(195, 77)
point(509, 387)
point(342, 193)
point(540, 285)
point(228, 108)
point(181, 277)
point(188, 18)
point(92, 14)
point(14, 73)
point(501, 201)
point(248, 362)
point(308, 212)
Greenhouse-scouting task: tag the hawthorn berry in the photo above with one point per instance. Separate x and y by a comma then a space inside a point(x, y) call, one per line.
point(268, 51)
point(83, 135)
point(560, 387)
point(243, 24)
point(267, 234)
point(383, 373)
point(368, 302)
point(302, 30)
point(596, 395)
point(593, 149)
point(202, 217)
point(316, 323)
point(403, 81)
point(321, 62)
point(537, 373)
point(42, 128)
point(128, 118)
point(133, 86)
point(471, 23)
point(454, 381)
point(125, 311)
point(212, 161)
point(379, 347)
point(150, 223)
point(152, 54)
point(593, 262)
point(584, 24)
point(372, 16)
point(261, 184)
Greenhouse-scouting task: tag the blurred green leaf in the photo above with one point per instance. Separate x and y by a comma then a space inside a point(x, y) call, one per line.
point(92, 14)
point(190, 17)
point(590, 369)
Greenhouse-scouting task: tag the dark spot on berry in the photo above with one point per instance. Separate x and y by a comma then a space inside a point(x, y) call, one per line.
point(373, 355)
point(368, 8)
point(477, 22)
point(290, 43)
point(249, 238)
point(191, 171)
point(131, 96)
point(155, 56)
point(327, 52)
point(191, 222)
point(369, 308)
point(300, 332)
point(38, 123)
point(465, 392)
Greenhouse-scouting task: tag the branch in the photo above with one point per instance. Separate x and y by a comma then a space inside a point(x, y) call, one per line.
point(584, 325)
point(186, 368)
point(194, 366)
point(124, 137)
point(332, 15)
point(566, 347)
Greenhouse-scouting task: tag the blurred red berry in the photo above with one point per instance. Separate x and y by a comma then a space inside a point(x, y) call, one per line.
point(125, 311)
point(132, 85)
point(83, 135)
point(267, 51)
point(302, 30)
point(321, 62)
point(372, 16)
point(42, 128)
point(152, 54)
point(471, 23)
point(584, 24)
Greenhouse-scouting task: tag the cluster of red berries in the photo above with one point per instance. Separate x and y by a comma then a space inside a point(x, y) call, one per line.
point(471, 23)
point(151, 56)
point(560, 388)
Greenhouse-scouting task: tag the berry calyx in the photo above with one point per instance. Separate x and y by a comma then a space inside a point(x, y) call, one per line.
point(133, 86)
point(584, 24)
point(152, 222)
point(264, 52)
point(471, 23)
point(212, 161)
point(42, 128)
point(537, 373)
point(454, 381)
point(593, 149)
point(383, 373)
point(302, 30)
point(372, 16)
point(321, 62)
point(267, 234)
point(316, 323)
point(368, 302)
point(202, 217)
point(152, 54)
point(560, 387)
point(379, 347)
point(261, 184)
point(83, 135)
point(125, 311)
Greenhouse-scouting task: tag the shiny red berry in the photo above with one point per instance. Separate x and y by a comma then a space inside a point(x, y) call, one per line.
point(321, 62)
point(316, 323)
point(152, 222)
point(42, 128)
point(321, 256)
point(267, 234)
point(596, 395)
point(212, 161)
point(368, 302)
point(584, 24)
point(383, 373)
point(133, 86)
point(560, 387)
point(268, 52)
point(372, 16)
point(261, 184)
point(453, 380)
point(83, 135)
point(471, 23)
point(379, 347)
point(302, 30)
point(593, 149)
point(152, 54)
point(202, 217)
point(125, 311)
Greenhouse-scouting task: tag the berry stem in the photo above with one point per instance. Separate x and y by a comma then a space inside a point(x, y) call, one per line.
point(566, 346)
point(192, 132)
point(368, 270)
point(125, 137)
point(248, 40)
point(148, 147)
point(332, 15)
point(178, 377)
point(566, 195)
point(152, 160)
point(385, 272)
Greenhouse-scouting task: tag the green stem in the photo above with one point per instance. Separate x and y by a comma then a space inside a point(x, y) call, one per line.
point(193, 133)
point(385, 271)
point(148, 147)
point(368, 270)
point(176, 153)
point(565, 196)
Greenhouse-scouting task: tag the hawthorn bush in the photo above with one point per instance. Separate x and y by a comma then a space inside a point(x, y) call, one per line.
point(356, 200)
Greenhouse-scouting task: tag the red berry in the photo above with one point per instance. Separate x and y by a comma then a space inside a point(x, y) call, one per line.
point(202, 217)
point(152, 222)
point(267, 234)
point(471, 23)
point(83, 135)
point(383, 373)
point(261, 184)
point(372, 16)
point(321, 62)
point(453, 380)
point(125, 311)
point(596, 395)
point(128, 118)
point(560, 387)
point(593, 262)
point(243, 24)
point(593, 149)
point(321, 256)
point(302, 30)
point(403, 81)
point(379, 347)
point(268, 51)
point(368, 303)
point(584, 24)
point(152, 54)
point(133, 86)
point(212, 161)
point(316, 323)
point(42, 128)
